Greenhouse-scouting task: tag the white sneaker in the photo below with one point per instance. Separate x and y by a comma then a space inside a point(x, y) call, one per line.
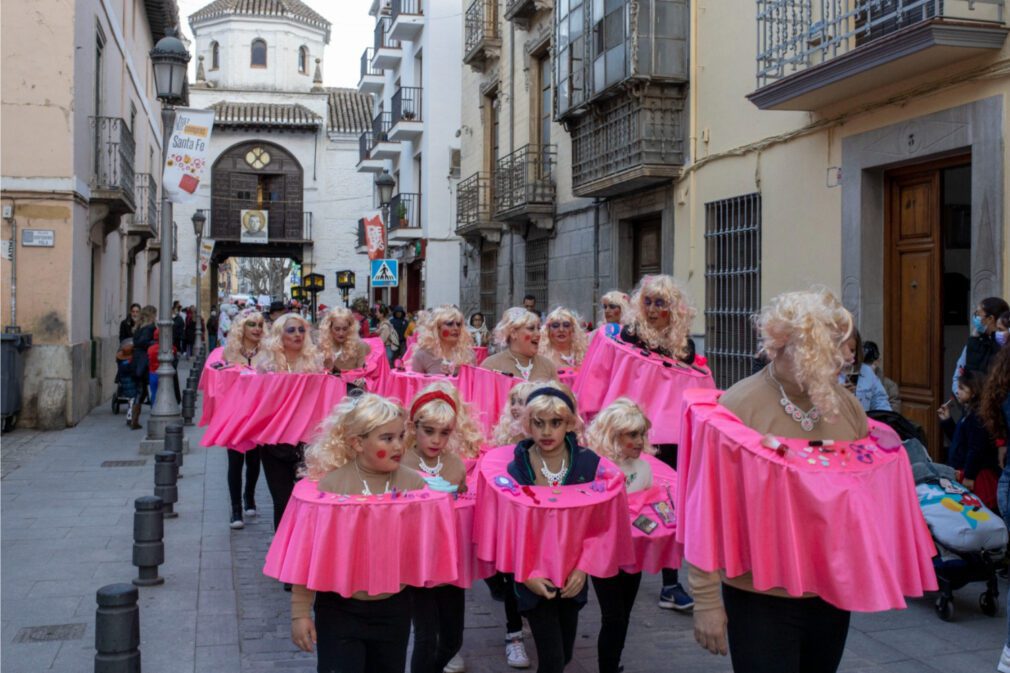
point(1004, 660)
point(455, 665)
point(515, 650)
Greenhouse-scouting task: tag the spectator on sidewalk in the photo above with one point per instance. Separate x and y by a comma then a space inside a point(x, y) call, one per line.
point(390, 339)
point(871, 357)
point(977, 355)
point(129, 323)
point(189, 334)
point(143, 337)
point(178, 328)
point(153, 364)
point(212, 329)
point(860, 380)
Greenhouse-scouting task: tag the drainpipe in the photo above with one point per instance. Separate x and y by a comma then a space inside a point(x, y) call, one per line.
point(596, 254)
point(512, 86)
point(14, 270)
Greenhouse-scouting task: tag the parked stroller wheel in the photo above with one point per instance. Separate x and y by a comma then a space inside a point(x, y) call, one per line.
point(987, 603)
point(944, 608)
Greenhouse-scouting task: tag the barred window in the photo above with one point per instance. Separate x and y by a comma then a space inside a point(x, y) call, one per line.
point(732, 285)
point(536, 267)
point(489, 286)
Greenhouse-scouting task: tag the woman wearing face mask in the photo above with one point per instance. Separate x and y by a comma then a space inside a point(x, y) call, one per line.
point(443, 344)
point(1002, 335)
point(982, 347)
point(517, 336)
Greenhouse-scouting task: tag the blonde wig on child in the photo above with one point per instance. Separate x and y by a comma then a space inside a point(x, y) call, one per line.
point(513, 320)
point(326, 345)
point(808, 328)
point(580, 342)
point(550, 405)
point(674, 337)
point(621, 299)
point(620, 416)
point(429, 338)
point(233, 345)
point(509, 429)
point(353, 417)
point(271, 356)
point(466, 437)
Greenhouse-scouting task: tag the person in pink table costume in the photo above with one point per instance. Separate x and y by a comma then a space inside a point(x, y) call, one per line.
point(288, 350)
point(358, 452)
point(616, 306)
point(517, 336)
point(619, 433)
point(562, 339)
point(443, 342)
point(242, 345)
point(441, 432)
point(805, 336)
point(340, 343)
point(509, 429)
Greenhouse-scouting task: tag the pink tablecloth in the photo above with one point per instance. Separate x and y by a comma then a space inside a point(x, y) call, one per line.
point(376, 368)
point(658, 549)
point(568, 377)
point(843, 524)
point(375, 544)
point(215, 383)
point(272, 408)
point(613, 369)
point(487, 392)
point(403, 386)
point(581, 528)
point(479, 354)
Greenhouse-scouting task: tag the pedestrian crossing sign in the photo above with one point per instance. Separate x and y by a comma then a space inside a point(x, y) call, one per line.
point(385, 273)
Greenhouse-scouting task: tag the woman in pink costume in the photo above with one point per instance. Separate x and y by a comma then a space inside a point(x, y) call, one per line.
point(340, 342)
point(509, 429)
point(517, 336)
point(443, 343)
point(562, 339)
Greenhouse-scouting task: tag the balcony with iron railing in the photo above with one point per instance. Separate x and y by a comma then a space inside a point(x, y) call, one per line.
point(406, 113)
point(366, 162)
point(521, 12)
point(144, 222)
point(524, 184)
point(112, 183)
point(474, 206)
point(406, 19)
point(372, 78)
point(813, 54)
point(405, 216)
point(386, 50)
point(481, 36)
point(383, 146)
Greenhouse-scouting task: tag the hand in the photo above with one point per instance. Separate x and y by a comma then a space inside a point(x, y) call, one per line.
point(573, 585)
point(361, 383)
point(303, 633)
point(541, 586)
point(710, 630)
point(968, 484)
point(943, 412)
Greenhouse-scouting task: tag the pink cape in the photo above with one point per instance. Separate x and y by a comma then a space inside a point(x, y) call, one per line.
point(581, 529)
point(487, 392)
point(376, 368)
point(272, 408)
point(613, 369)
point(376, 544)
point(850, 533)
point(659, 549)
point(214, 383)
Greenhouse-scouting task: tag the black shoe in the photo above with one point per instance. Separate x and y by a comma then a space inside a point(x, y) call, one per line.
point(236, 519)
point(287, 587)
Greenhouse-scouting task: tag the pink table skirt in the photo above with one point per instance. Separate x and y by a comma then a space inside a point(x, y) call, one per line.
point(487, 392)
point(215, 383)
point(376, 544)
point(568, 377)
point(403, 386)
point(272, 408)
point(659, 549)
point(843, 524)
point(480, 354)
point(613, 369)
point(376, 369)
point(581, 528)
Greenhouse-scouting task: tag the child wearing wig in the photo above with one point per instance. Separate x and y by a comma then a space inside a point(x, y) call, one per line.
point(443, 343)
point(440, 430)
point(620, 433)
point(552, 457)
point(357, 452)
point(562, 338)
point(509, 429)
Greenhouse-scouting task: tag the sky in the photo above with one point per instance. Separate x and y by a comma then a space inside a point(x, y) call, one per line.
point(352, 31)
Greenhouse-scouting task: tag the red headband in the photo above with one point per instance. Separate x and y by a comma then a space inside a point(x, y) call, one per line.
point(430, 397)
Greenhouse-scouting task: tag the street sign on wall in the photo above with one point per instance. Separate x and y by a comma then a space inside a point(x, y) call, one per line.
point(385, 273)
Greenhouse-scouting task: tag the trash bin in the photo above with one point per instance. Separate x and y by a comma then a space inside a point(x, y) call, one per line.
point(12, 372)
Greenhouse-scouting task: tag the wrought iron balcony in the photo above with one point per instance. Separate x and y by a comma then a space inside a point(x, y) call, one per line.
point(113, 181)
point(524, 183)
point(481, 38)
point(812, 54)
point(145, 218)
point(407, 19)
point(629, 142)
point(372, 78)
point(366, 162)
point(473, 209)
point(521, 12)
point(406, 113)
point(386, 50)
point(405, 216)
point(383, 146)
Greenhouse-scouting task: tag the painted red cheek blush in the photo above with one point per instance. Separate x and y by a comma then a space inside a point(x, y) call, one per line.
point(445, 332)
point(381, 454)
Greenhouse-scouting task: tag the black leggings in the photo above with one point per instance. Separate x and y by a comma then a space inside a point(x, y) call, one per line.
point(554, 623)
point(503, 587)
point(616, 596)
point(438, 627)
point(251, 460)
point(362, 636)
point(280, 467)
point(667, 453)
point(771, 634)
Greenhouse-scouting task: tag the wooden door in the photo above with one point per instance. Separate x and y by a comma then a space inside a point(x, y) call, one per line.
point(648, 248)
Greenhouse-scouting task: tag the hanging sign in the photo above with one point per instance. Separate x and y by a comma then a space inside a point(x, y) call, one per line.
point(254, 226)
point(375, 236)
point(186, 158)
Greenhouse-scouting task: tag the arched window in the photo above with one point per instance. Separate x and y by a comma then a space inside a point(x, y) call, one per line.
point(215, 56)
point(258, 56)
point(303, 60)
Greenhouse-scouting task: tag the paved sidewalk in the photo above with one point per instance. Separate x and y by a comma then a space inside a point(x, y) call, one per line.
point(67, 526)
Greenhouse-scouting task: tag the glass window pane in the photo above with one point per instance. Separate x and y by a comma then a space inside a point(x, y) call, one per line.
point(575, 23)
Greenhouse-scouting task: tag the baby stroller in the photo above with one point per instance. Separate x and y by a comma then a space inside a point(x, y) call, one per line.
point(126, 388)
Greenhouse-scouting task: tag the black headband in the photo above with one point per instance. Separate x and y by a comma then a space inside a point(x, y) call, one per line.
point(551, 392)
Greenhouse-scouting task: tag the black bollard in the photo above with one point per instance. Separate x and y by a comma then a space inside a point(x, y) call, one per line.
point(165, 473)
point(173, 441)
point(188, 406)
point(148, 545)
point(117, 630)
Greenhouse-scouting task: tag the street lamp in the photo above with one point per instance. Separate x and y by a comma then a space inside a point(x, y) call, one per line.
point(345, 281)
point(199, 220)
point(169, 58)
point(314, 283)
point(297, 293)
point(384, 184)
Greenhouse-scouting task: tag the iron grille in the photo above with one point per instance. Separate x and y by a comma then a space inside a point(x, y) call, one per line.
point(732, 285)
point(489, 284)
point(481, 24)
point(382, 38)
point(405, 211)
point(380, 128)
point(406, 104)
point(147, 202)
point(537, 258)
point(524, 177)
point(114, 153)
point(365, 145)
point(367, 70)
point(405, 7)
point(473, 201)
point(361, 232)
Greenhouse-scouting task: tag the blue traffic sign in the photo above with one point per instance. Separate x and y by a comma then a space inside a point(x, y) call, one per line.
point(385, 273)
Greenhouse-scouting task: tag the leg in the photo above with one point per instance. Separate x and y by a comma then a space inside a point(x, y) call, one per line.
point(545, 622)
point(340, 647)
point(451, 610)
point(252, 475)
point(764, 632)
point(279, 464)
point(609, 596)
point(825, 630)
point(425, 616)
point(568, 618)
point(235, 461)
point(388, 633)
point(513, 620)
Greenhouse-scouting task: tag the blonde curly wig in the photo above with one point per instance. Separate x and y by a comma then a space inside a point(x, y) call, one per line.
point(233, 345)
point(271, 357)
point(509, 429)
point(674, 337)
point(550, 405)
point(466, 438)
point(353, 417)
point(511, 322)
point(327, 347)
point(428, 337)
point(808, 328)
point(620, 299)
point(620, 416)
point(580, 342)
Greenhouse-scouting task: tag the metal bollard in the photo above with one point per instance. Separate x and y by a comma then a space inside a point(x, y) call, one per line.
point(117, 630)
point(173, 442)
point(188, 406)
point(165, 473)
point(148, 543)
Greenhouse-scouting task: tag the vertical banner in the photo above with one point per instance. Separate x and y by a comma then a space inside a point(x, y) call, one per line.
point(186, 160)
point(375, 236)
point(206, 249)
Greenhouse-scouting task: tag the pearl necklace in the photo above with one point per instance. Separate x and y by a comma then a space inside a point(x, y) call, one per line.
point(553, 478)
point(523, 371)
point(365, 489)
point(568, 359)
point(806, 419)
point(433, 470)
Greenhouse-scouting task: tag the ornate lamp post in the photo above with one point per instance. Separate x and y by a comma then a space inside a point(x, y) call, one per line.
point(314, 283)
point(199, 220)
point(345, 281)
point(169, 58)
point(384, 184)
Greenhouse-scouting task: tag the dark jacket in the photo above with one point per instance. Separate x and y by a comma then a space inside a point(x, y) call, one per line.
point(126, 329)
point(980, 353)
point(178, 330)
point(142, 340)
point(971, 448)
point(190, 330)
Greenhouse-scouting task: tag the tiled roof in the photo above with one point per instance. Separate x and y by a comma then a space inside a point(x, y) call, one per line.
point(350, 111)
point(161, 15)
point(264, 115)
point(295, 9)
